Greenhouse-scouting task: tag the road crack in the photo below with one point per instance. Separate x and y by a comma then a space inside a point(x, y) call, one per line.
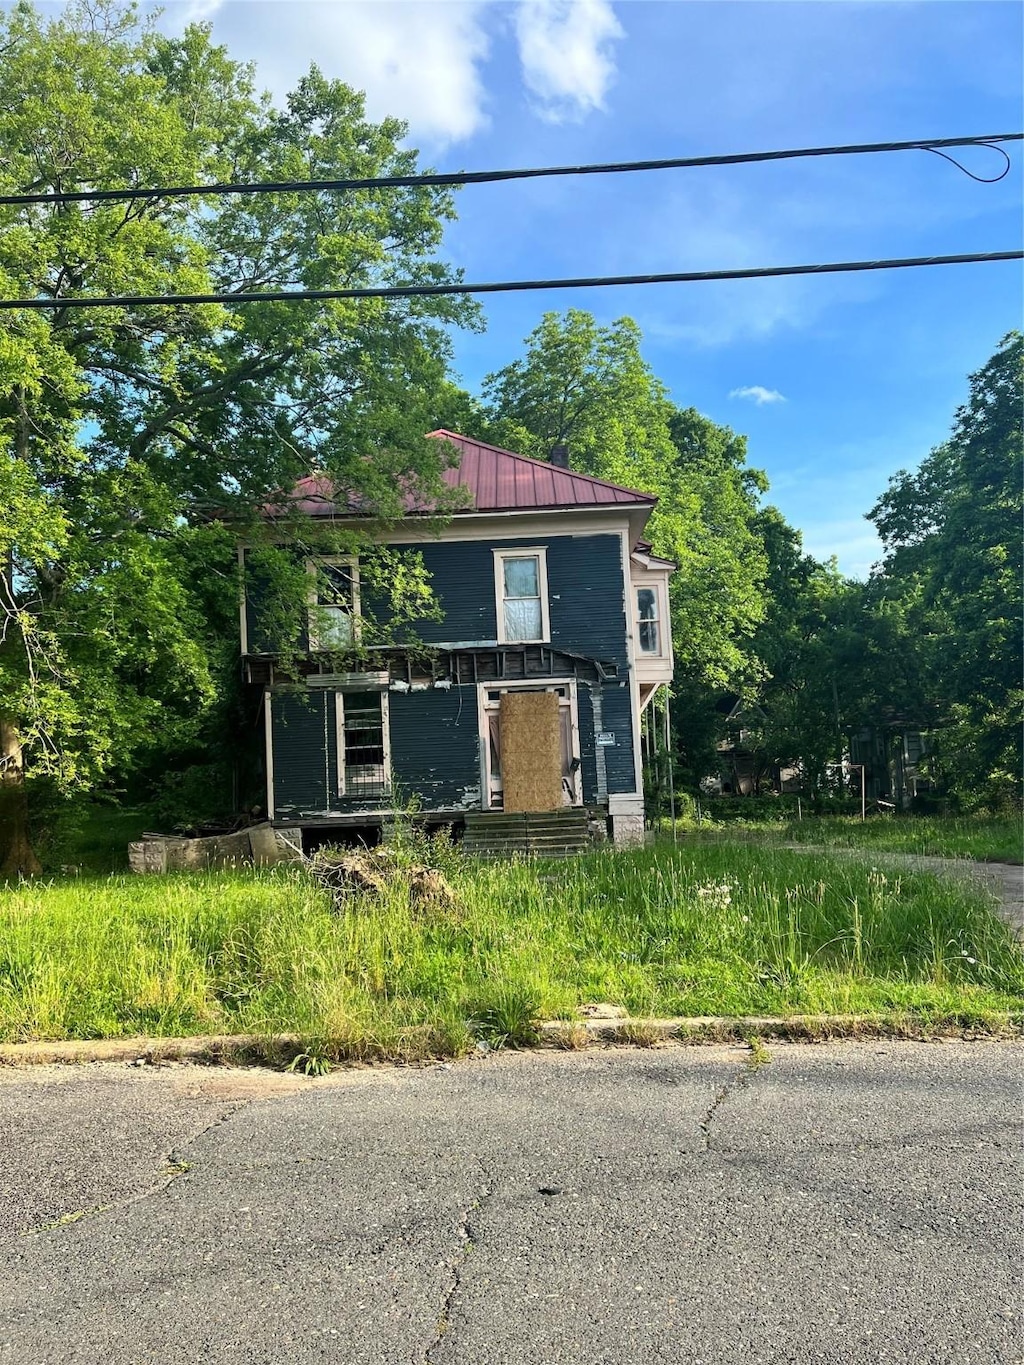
point(173, 1168)
point(759, 1057)
point(466, 1231)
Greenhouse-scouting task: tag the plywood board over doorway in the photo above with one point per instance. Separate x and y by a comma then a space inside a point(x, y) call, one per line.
point(531, 751)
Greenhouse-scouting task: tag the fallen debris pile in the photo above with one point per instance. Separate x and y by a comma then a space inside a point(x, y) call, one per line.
point(375, 872)
point(258, 846)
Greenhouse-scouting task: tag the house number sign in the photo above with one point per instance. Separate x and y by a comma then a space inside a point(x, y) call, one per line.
point(605, 737)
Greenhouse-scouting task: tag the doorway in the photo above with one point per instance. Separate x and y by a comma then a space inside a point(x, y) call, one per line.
point(493, 784)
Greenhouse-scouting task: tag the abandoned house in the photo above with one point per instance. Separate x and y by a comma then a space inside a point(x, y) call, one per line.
point(524, 696)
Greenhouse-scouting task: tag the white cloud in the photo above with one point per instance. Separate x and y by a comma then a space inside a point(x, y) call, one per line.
point(196, 11)
point(757, 393)
point(565, 47)
point(417, 60)
point(421, 60)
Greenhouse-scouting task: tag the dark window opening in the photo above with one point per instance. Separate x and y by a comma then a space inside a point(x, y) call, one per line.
point(647, 614)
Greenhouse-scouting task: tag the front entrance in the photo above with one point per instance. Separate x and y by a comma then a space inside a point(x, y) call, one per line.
point(531, 755)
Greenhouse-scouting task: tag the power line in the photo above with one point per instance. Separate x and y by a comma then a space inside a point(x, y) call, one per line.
point(409, 291)
point(452, 178)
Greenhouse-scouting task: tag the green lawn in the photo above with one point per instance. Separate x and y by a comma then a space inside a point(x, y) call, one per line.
point(982, 838)
point(712, 929)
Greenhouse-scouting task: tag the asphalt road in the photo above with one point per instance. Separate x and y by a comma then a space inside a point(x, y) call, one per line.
point(844, 1203)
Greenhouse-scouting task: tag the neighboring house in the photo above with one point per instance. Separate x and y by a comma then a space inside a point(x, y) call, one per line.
point(744, 767)
point(893, 755)
point(554, 635)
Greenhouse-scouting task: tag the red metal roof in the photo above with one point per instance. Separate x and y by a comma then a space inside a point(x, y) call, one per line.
point(498, 481)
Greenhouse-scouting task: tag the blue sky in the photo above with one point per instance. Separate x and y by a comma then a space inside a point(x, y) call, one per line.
point(866, 370)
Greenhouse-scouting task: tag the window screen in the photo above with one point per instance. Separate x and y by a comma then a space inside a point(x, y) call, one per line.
point(362, 735)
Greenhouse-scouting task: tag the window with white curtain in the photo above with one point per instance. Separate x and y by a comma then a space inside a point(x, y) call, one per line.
point(520, 580)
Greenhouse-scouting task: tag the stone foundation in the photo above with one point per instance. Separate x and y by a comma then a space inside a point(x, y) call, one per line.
point(626, 818)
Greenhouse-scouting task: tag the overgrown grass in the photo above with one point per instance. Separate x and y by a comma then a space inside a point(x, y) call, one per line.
point(982, 838)
point(714, 929)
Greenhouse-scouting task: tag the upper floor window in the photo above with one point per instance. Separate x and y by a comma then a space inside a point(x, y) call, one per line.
point(521, 588)
point(648, 616)
point(333, 602)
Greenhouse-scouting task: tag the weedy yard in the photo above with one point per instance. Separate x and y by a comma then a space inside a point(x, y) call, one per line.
point(703, 930)
point(983, 838)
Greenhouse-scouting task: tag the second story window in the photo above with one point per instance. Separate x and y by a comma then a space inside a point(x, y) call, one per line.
point(333, 602)
point(522, 596)
point(648, 620)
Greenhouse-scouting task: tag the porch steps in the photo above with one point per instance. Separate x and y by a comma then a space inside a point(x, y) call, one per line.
point(541, 834)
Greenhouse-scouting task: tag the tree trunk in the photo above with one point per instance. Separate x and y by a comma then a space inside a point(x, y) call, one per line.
point(17, 857)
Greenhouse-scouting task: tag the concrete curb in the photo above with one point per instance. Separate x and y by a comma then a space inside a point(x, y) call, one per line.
point(279, 1049)
point(222, 1049)
point(797, 1028)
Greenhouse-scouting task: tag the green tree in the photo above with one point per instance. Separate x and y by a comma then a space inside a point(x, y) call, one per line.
point(953, 570)
point(588, 387)
point(128, 436)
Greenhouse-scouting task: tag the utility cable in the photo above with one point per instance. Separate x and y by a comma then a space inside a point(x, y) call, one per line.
point(452, 178)
point(409, 291)
point(981, 179)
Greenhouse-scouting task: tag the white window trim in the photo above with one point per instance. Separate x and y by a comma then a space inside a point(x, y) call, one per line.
point(539, 552)
point(268, 733)
point(313, 603)
point(339, 733)
point(659, 597)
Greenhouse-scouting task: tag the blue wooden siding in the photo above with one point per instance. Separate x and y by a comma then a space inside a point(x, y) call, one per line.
point(617, 717)
point(305, 751)
point(435, 751)
point(585, 593)
point(585, 590)
point(435, 746)
point(588, 756)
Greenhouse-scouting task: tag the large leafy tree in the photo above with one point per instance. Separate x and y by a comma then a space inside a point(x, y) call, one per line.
point(128, 435)
point(953, 570)
point(588, 387)
point(933, 639)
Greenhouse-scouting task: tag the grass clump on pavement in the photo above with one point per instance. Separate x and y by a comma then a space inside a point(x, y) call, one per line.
point(706, 930)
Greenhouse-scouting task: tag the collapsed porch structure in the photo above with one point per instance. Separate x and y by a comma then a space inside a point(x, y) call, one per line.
point(539, 728)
